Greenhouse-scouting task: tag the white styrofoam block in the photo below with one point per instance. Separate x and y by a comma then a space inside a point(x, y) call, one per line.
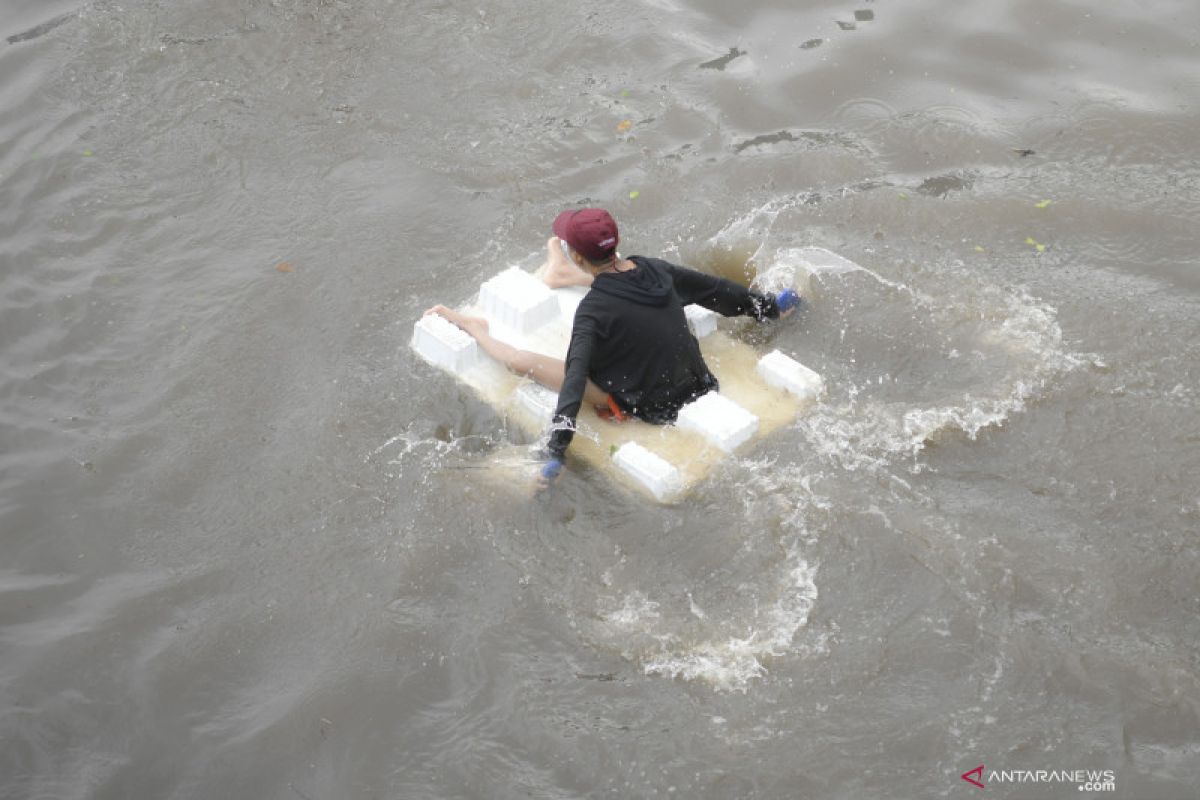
point(539, 401)
point(516, 300)
point(719, 420)
point(821, 260)
point(786, 372)
point(443, 344)
point(701, 320)
point(649, 469)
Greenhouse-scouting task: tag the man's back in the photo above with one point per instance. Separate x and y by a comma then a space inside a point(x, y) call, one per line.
point(630, 336)
point(641, 350)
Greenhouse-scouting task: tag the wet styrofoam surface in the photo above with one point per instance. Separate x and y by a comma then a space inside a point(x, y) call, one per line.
point(652, 471)
point(701, 320)
point(719, 420)
point(781, 370)
point(518, 301)
point(538, 401)
point(818, 259)
point(663, 461)
point(443, 344)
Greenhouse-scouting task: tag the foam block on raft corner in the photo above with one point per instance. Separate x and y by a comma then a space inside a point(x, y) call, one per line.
point(719, 420)
point(517, 300)
point(701, 320)
point(826, 260)
point(785, 372)
point(649, 469)
point(443, 344)
point(539, 401)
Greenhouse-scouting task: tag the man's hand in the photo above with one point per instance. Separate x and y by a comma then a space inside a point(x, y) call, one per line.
point(549, 473)
point(787, 302)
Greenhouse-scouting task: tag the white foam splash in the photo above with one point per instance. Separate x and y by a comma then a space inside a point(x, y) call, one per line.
point(730, 663)
point(862, 432)
point(636, 611)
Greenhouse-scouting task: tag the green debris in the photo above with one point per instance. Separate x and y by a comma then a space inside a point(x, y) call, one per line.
point(978, 249)
point(1042, 204)
point(903, 195)
point(1029, 240)
point(634, 194)
point(87, 152)
point(612, 450)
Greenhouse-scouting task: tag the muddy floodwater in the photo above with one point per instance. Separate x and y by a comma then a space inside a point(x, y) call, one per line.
point(252, 547)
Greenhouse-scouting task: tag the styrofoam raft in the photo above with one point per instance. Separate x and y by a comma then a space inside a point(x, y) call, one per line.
point(663, 461)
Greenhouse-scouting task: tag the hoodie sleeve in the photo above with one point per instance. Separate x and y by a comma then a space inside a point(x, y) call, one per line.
point(570, 396)
point(723, 296)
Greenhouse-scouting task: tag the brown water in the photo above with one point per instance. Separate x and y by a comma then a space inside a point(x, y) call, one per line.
point(250, 547)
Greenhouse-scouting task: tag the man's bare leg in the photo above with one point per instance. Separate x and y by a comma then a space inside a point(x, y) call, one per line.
point(558, 272)
point(547, 371)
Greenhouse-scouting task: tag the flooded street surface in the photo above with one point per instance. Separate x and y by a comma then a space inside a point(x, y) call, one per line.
point(252, 547)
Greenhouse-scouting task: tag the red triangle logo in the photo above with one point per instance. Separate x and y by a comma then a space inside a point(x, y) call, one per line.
point(978, 779)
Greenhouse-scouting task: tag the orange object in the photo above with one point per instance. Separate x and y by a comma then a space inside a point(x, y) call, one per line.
point(613, 412)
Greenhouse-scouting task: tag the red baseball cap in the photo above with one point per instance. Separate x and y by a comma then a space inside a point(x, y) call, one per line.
point(591, 232)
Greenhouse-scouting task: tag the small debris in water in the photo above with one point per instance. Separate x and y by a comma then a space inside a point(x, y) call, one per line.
point(1042, 204)
point(1041, 248)
point(41, 30)
point(719, 63)
point(1024, 151)
point(864, 15)
point(846, 26)
point(284, 266)
point(943, 185)
point(624, 125)
point(811, 43)
point(634, 194)
point(596, 676)
point(770, 138)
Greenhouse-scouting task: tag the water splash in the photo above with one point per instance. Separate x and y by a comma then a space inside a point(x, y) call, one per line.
point(1017, 336)
point(729, 662)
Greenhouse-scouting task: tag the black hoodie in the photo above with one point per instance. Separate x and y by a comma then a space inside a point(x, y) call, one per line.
point(630, 336)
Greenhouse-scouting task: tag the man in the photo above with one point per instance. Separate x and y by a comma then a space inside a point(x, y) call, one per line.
point(631, 352)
